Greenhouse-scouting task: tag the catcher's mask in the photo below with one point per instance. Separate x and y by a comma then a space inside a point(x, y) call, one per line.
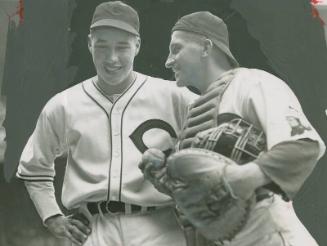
point(236, 139)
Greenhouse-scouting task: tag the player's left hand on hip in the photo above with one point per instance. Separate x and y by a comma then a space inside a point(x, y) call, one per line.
point(69, 227)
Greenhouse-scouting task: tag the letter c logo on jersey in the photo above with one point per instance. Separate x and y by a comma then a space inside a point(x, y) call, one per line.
point(137, 135)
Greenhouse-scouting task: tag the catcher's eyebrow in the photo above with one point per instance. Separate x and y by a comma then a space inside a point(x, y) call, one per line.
point(174, 46)
point(100, 40)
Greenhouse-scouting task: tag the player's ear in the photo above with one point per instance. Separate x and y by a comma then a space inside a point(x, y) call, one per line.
point(138, 45)
point(89, 43)
point(207, 47)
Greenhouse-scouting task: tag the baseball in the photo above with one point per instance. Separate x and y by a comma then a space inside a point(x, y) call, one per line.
point(155, 156)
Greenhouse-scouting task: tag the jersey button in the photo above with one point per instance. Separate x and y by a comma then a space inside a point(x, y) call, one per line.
point(116, 154)
point(116, 110)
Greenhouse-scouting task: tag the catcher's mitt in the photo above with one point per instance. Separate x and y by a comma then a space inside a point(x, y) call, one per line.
point(195, 177)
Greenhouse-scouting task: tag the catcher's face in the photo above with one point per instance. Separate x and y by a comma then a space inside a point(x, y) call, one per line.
point(185, 58)
point(113, 52)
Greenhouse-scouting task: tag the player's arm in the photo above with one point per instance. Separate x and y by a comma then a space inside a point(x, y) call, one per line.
point(36, 166)
point(302, 154)
point(36, 169)
point(42, 194)
point(293, 148)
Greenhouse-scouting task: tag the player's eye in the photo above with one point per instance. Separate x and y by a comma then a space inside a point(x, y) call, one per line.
point(123, 47)
point(175, 49)
point(100, 46)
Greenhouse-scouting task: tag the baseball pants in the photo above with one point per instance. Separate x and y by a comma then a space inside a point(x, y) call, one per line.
point(153, 228)
point(273, 222)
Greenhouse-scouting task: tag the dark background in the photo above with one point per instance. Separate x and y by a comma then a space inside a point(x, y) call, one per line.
point(48, 53)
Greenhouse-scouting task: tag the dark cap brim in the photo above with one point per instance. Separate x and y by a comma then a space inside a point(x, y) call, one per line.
point(116, 24)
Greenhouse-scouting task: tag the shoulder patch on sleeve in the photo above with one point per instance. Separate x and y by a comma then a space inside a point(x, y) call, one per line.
point(296, 122)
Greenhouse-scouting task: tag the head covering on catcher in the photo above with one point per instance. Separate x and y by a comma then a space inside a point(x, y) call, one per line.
point(206, 24)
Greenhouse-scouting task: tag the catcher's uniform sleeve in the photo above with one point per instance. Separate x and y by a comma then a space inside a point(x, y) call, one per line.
point(37, 160)
point(273, 105)
point(300, 156)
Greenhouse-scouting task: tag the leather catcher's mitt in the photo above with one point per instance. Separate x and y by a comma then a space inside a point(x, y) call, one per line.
point(203, 196)
point(195, 178)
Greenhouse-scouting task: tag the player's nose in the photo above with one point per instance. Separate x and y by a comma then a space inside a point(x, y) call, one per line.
point(111, 56)
point(170, 61)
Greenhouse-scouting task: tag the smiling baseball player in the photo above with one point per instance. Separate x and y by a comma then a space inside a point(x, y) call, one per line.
point(104, 124)
point(200, 57)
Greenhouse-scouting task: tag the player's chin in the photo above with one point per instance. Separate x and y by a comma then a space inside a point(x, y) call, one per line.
point(114, 78)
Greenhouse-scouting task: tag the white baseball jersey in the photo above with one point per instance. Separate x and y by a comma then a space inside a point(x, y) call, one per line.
point(104, 140)
point(267, 102)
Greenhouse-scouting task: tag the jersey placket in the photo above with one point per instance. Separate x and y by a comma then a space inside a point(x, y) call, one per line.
point(116, 119)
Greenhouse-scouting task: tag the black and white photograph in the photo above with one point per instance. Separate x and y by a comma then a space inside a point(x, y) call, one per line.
point(163, 122)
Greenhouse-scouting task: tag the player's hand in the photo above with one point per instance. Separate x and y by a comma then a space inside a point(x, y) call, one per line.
point(245, 179)
point(153, 160)
point(76, 230)
point(153, 166)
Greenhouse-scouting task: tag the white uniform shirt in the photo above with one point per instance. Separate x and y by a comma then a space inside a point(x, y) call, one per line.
point(267, 102)
point(104, 141)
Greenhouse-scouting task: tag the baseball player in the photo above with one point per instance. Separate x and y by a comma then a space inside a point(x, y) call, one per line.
point(200, 57)
point(103, 125)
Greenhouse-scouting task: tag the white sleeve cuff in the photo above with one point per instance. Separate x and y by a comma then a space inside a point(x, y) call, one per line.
point(43, 197)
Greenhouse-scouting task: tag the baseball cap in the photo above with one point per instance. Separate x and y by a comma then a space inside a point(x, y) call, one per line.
point(118, 15)
point(210, 26)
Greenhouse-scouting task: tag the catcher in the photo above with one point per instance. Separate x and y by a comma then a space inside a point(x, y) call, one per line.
point(239, 161)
